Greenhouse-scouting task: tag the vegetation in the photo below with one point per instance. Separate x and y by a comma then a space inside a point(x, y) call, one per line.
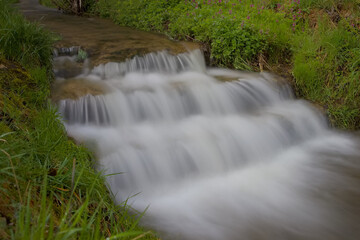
point(313, 42)
point(48, 188)
point(47, 3)
point(77, 7)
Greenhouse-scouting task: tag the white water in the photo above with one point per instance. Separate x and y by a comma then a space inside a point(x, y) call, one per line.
point(218, 160)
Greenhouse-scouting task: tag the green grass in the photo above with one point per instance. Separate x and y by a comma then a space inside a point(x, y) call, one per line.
point(313, 42)
point(47, 3)
point(22, 41)
point(326, 69)
point(48, 186)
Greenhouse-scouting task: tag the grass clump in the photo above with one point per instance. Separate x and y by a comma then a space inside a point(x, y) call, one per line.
point(314, 43)
point(22, 41)
point(326, 69)
point(48, 187)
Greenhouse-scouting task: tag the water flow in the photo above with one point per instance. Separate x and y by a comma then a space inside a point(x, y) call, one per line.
point(214, 159)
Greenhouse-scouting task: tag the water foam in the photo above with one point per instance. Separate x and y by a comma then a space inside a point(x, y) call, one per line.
point(218, 160)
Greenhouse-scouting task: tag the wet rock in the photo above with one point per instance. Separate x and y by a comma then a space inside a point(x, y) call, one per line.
point(76, 88)
point(67, 67)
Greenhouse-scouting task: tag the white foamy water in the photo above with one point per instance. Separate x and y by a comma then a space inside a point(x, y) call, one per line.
point(216, 160)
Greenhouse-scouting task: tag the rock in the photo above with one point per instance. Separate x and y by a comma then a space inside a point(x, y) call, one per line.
point(75, 89)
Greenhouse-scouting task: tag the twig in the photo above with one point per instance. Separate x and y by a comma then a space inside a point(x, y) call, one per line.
point(142, 235)
point(261, 60)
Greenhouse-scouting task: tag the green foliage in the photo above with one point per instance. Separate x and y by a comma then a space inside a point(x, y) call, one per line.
point(241, 30)
point(326, 4)
point(145, 15)
point(23, 41)
point(51, 203)
point(47, 3)
point(326, 69)
point(235, 46)
point(106, 8)
point(82, 55)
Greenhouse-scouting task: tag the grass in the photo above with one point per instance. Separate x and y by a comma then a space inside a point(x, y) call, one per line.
point(23, 41)
point(313, 42)
point(47, 3)
point(326, 69)
point(48, 186)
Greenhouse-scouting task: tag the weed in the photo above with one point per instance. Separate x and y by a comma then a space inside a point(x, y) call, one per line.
point(82, 55)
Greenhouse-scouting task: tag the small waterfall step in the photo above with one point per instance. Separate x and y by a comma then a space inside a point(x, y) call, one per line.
point(213, 159)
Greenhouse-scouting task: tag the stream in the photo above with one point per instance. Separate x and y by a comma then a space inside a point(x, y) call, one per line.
point(209, 153)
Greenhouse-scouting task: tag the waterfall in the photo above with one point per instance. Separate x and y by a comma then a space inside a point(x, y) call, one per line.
point(214, 159)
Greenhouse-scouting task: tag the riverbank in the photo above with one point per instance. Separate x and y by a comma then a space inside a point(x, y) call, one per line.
point(48, 186)
point(313, 44)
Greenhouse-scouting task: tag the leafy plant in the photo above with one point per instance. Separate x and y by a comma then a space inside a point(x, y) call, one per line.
point(81, 56)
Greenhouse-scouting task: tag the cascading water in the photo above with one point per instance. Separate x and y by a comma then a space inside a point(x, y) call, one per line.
point(214, 159)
